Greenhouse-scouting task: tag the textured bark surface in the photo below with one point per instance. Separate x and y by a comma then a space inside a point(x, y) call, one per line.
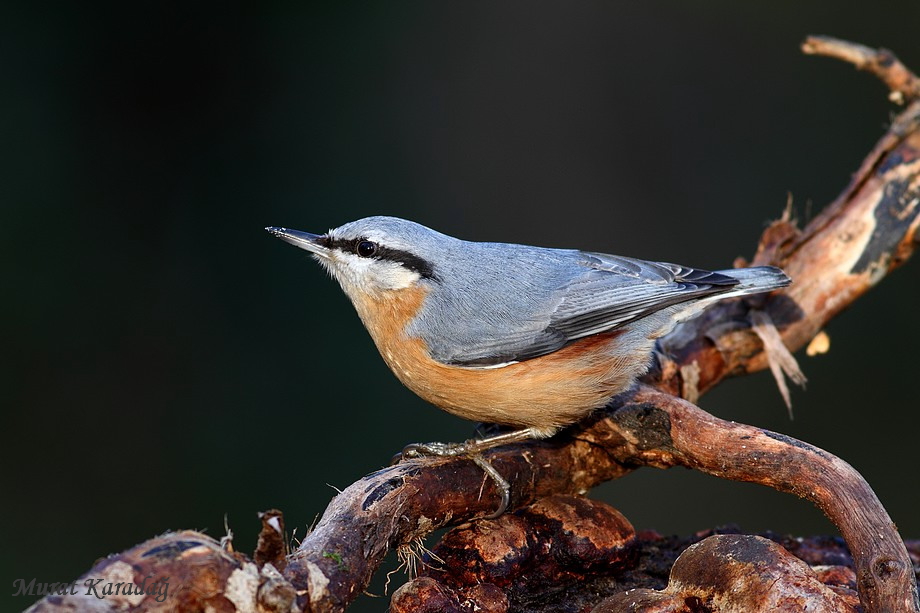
point(870, 229)
point(549, 557)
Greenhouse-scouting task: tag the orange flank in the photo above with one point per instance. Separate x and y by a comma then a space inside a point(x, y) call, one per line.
point(545, 393)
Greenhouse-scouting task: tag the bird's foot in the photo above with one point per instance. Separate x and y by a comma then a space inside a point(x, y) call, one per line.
point(473, 449)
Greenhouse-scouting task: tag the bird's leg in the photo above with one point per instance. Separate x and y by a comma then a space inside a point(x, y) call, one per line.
point(474, 448)
point(469, 447)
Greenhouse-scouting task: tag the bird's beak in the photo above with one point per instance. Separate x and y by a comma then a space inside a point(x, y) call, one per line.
point(310, 242)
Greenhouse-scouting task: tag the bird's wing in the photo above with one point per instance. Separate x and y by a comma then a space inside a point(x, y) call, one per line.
point(616, 290)
point(605, 293)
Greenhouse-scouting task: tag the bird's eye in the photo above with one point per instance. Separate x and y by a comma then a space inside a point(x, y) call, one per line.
point(366, 249)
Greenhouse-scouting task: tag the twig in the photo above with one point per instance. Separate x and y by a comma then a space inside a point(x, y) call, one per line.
point(903, 83)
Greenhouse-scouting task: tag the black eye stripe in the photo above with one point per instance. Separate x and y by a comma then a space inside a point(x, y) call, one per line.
point(408, 260)
point(349, 245)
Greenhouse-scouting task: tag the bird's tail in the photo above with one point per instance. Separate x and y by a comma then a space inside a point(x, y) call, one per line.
point(755, 280)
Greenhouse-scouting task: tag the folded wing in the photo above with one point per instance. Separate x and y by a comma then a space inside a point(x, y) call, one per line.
point(605, 292)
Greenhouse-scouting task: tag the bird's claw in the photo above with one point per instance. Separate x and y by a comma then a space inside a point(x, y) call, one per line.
point(468, 448)
point(422, 450)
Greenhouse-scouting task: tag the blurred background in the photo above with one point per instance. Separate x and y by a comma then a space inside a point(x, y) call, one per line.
point(166, 364)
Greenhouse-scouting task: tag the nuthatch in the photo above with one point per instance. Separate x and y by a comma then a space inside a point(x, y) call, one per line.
point(522, 336)
point(529, 337)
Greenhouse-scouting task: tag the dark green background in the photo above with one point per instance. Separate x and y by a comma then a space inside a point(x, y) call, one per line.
point(166, 363)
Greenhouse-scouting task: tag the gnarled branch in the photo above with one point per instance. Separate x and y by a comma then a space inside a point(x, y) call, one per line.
point(870, 229)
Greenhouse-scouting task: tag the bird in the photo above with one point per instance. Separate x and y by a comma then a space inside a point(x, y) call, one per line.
point(533, 338)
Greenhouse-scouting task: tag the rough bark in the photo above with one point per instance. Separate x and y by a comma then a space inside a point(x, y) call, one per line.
point(869, 230)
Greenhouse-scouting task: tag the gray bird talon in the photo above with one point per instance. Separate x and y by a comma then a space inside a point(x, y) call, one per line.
point(503, 487)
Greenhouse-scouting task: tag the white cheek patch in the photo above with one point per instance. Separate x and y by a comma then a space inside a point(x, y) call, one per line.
point(396, 276)
point(369, 275)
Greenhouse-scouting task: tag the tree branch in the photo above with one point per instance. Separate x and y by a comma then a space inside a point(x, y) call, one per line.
point(869, 230)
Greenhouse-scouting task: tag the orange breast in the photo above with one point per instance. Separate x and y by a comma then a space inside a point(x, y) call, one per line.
point(546, 393)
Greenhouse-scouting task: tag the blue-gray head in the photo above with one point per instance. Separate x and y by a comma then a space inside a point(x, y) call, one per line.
point(373, 254)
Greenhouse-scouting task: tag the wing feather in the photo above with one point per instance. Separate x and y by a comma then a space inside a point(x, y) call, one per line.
point(603, 293)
